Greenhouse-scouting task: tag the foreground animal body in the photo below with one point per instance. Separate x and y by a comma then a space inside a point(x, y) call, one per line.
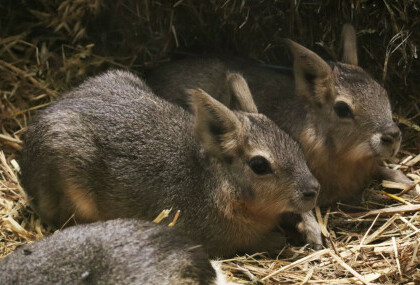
point(122, 251)
point(111, 149)
point(339, 114)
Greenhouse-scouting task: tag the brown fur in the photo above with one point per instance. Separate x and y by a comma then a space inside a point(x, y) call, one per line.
point(351, 169)
point(49, 211)
point(85, 208)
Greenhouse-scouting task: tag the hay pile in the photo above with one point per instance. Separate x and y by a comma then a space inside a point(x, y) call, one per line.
point(47, 46)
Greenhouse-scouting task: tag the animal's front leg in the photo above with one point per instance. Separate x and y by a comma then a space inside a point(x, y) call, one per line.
point(393, 175)
point(302, 228)
point(310, 230)
point(396, 176)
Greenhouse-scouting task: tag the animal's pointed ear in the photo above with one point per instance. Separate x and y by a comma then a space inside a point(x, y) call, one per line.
point(216, 126)
point(240, 95)
point(313, 76)
point(349, 45)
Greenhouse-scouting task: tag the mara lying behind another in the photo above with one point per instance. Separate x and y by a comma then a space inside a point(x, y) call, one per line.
point(340, 115)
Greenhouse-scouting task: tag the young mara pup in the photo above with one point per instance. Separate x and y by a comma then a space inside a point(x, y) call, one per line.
point(110, 148)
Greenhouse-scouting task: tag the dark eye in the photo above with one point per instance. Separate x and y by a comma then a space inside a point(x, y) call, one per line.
point(342, 109)
point(260, 165)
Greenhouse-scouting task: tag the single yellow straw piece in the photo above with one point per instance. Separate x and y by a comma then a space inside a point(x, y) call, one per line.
point(164, 214)
point(399, 199)
point(175, 218)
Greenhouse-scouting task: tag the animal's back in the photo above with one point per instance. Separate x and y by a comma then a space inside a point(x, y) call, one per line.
point(108, 146)
point(272, 90)
point(171, 81)
point(119, 251)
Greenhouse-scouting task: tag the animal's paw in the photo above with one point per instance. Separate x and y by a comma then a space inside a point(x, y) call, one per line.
point(399, 177)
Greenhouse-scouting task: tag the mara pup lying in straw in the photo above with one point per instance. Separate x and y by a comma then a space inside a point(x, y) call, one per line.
point(339, 114)
point(123, 251)
point(111, 148)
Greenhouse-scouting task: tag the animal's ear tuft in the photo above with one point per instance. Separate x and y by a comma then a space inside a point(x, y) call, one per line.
point(217, 128)
point(313, 76)
point(240, 95)
point(349, 45)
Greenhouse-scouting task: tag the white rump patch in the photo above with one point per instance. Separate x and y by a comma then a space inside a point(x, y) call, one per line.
point(220, 275)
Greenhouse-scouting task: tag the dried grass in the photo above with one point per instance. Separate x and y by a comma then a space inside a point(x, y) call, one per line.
point(47, 46)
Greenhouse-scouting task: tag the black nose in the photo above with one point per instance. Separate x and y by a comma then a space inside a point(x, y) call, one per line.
point(391, 135)
point(311, 190)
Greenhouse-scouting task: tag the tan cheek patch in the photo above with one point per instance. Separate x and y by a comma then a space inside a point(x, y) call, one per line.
point(271, 199)
point(339, 174)
point(246, 211)
point(264, 215)
point(358, 152)
point(86, 209)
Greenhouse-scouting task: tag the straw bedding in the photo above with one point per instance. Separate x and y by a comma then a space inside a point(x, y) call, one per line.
point(48, 46)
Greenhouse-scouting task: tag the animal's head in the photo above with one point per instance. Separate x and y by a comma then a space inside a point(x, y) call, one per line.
point(349, 107)
point(257, 157)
